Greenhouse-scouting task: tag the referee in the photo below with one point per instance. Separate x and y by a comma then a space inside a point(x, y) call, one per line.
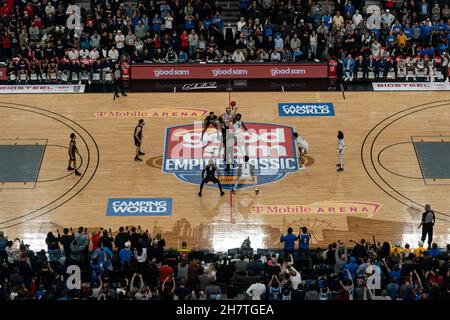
point(427, 224)
point(118, 85)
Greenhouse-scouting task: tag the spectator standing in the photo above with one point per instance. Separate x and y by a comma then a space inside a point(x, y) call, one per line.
point(303, 242)
point(241, 265)
point(120, 41)
point(213, 291)
point(289, 241)
point(256, 290)
point(66, 239)
point(274, 289)
point(77, 250)
point(193, 43)
point(121, 238)
point(341, 259)
point(106, 240)
point(125, 253)
point(53, 249)
point(3, 244)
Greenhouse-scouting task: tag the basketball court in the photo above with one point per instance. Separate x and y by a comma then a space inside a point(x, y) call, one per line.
point(397, 159)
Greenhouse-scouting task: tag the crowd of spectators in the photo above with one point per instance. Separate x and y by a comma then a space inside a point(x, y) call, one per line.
point(405, 38)
point(44, 38)
point(132, 265)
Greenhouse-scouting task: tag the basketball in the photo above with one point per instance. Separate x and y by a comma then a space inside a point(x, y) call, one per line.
point(232, 103)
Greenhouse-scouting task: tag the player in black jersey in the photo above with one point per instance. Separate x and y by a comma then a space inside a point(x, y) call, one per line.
point(210, 120)
point(222, 127)
point(210, 171)
point(72, 152)
point(226, 142)
point(138, 136)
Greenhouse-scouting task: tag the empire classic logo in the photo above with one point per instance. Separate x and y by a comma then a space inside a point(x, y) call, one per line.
point(154, 113)
point(270, 147)
point(328, 208)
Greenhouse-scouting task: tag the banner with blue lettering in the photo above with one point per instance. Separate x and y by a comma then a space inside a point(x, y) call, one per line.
point(305, 109)
point(127, 207)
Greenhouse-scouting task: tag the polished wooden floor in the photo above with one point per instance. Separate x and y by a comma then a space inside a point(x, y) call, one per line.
point(379, 195)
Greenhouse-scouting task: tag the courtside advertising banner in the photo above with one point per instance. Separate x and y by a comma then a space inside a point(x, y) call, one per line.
point(410, 86)
point(135, 207)
point(38, 88)
point(226, 71)
point(306, 109)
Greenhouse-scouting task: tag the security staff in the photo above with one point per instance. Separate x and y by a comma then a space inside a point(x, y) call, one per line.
point(118, 85)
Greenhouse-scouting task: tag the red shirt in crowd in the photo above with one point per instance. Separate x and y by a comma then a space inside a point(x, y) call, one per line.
point(6, 42)
point(10, 3)
point(165, 271)
point(29, 9)
point(184, 41)
point(95, 240)
point(157, 43)
point(5, 10)
point(389, 4)
point(38, 22)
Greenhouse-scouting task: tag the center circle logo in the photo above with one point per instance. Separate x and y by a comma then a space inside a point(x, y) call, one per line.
point(270, 147)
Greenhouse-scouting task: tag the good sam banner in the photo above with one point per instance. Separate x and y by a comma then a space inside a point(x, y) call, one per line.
point(236, 71)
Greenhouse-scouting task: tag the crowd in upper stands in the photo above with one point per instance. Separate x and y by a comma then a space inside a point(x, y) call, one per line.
point(132, 265)
point(49, 37)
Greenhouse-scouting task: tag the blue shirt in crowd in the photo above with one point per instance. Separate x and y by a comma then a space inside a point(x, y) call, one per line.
point(352, 266)
point(125, 255)
point(289, 241)
point(303, 241)
point(156, 22)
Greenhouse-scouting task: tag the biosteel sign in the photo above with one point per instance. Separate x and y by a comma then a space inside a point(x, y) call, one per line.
point(224, 71)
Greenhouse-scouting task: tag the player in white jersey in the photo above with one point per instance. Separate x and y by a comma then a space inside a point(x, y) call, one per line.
point(401, 65)
point(303, 147)
point(245, 173)
point(420, 65)
point(229, 114)
point(226, 123)
point(410, 66)
point(340, 149)
point(239, 129)
point(429, 63)
point(445, 66)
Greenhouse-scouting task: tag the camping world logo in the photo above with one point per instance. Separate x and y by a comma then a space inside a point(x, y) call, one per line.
point(270, 147)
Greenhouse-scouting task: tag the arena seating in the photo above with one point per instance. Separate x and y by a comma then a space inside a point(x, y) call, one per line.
point(133, 265)
point(54, 42)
